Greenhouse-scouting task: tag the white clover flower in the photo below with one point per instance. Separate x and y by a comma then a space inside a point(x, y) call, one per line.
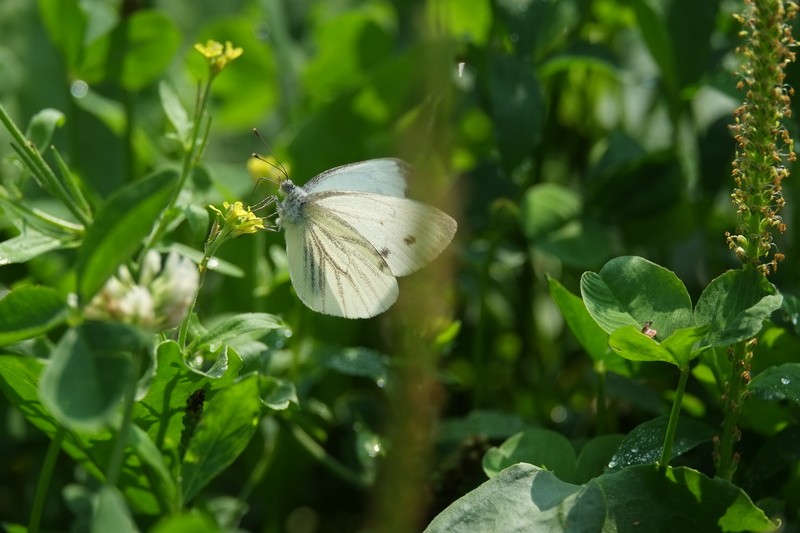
point(159, 300)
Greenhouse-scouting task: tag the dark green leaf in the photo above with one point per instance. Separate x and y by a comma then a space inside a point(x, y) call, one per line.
point(90, 370)
point(537, 26)
point(541, 447)
point(641, 498)
point(778, 383)
point(134, 53)
point(644, 444)
point(517, 108)
point(580, 244)
point(29, 311)
point(30, 244)
point(484, 423)
point(229, 421)
point(116, 233)
point(735, 306)
point(595, 455)
point(631, 291)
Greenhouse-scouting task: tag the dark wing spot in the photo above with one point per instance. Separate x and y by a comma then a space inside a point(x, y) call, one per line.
point(410, 240)
point(385, 252)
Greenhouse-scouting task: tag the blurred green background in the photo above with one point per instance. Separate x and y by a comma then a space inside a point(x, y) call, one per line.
point(559, 133)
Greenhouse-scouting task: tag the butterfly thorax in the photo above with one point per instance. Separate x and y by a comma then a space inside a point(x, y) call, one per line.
point(291, 208)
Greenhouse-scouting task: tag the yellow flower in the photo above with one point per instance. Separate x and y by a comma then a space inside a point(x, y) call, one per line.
point(217, 55)
point(238, 220)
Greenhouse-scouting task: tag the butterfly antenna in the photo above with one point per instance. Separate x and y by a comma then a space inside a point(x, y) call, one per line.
point(279, 167)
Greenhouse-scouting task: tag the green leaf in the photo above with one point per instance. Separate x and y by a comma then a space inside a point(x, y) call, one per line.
point(486, 423)
point(541, 447)
point(644, 498)
point(537, 25)
point(735, 306)
point(242, 324)
point(149, 454)
point(778, 383)
point(644, 444)
point(278, 394)
point(89, 371)
point(29, 311)
point(641, 498)
point(595, 455)
point(523, 498)
point(66, 24)
point(162, 409)
point(547, 207)
point(30, 244)
point(111, 513)
point(463, 21)
point(517, 107)
point(630, 291)
point(176, 113)
point(134, 53)
point(656, 35)
point(42, 126)
point(580, 244)
point(229, 420)
point(629, 342)
point(591, 336)
point(188, 522)
point(117, 230)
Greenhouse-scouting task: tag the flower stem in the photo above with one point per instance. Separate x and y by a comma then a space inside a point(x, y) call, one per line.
point(190, 157)
point(45, 475)
point(674, 415)
point(726, 459)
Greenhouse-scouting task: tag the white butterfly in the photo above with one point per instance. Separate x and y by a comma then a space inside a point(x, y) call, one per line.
point(350, 232)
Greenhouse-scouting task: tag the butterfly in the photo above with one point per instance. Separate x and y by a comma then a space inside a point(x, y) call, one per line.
point(350, 232)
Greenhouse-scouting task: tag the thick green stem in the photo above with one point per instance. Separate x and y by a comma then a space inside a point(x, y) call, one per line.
point(602, 411)
point(331, 464)
point(43, 484)
point(674, 415)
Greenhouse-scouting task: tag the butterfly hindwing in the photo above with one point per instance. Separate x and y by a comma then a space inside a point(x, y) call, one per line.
point(406, 234)
point(334, 269)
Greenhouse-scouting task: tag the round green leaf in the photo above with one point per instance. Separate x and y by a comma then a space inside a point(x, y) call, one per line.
point(29, 311)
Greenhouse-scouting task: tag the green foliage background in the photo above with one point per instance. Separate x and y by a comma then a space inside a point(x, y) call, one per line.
point(559, 133)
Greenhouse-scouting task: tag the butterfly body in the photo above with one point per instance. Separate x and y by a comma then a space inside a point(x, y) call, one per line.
point(350, 232)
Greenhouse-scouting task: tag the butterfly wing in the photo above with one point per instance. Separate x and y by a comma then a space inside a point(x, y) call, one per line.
point(378, 176)
point(406, 234)
point(334, 269)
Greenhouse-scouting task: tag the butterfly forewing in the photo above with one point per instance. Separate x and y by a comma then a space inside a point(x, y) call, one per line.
point(378, 176)
point(405, 233)
point(334, 269)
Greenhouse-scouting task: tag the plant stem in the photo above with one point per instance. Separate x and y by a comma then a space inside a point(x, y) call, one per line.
point(118, 454)
point(43, 484)
point(602, 411)
point(674, 415)
point(319, 453)
point(726, 463)
point(190, 156)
